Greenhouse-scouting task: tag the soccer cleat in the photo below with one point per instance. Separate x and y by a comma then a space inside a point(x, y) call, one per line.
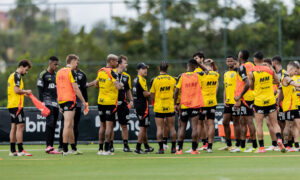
point(107, 153)
point(150, 149)
point(243, 149)
point(24, 153)
point(204, 147)
point(100, 152)
point(289, 149)
point(112, 149)
point(65, 153)
point(250, 150)
point(281, 146)
point(179, 152)
point(49, 149)
point(126, 149)
point(237, 149)
point(54, 152)
point(165, 146)
point(76, 152)
point(136, 151)
point(60, 149)
point(261, 150)
point(161, 151)
point(173, 150)
point(195, 152)
point(13, 154)
point(277, 149)
point(209, 150)
point(226, 148)
point(296, 149)
point(271, 148)
point(177, 147)
point(189, 151)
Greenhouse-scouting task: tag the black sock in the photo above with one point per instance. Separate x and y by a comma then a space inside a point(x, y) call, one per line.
point(100, 147)
point(73, 146)
point(274, 143)
point(12, 147)
point(209, 146)
point(125, 142)
point(180, 145)
point(205, 141)
point(165, 140)
point(160, 145)
point(20, 147)
point(106, 146)
point(138, 146)
point(173, 144)
point(146, 146)
point(194, 145)
point(286, 145)
point(238, 143)
point(228, 142)
point(111, 144)
point(65, 147)
point(278, 135)
point(261, 143)
point(243, 143)
point(254, 143)
point(296, 144)
point(290, 143)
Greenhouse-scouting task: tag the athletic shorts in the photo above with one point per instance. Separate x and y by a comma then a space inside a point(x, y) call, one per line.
point(289, 115)
point(295, 114)
point(51, 120)
point(281, 115)
point(18, 119)
point(67, 106)
point(208, 112)
point(246, 109)
point(266, 110)
point(123, 114)
point(142, 113)
point(186, 114)
point(230, 110)
point(107, 112)
point(164, 115)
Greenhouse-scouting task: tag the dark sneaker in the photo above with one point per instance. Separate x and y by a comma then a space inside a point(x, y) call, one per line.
point(150, 149)
point(126, 149)
point(139, 151)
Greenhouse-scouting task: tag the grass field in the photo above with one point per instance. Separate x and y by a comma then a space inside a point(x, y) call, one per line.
point(218, 165)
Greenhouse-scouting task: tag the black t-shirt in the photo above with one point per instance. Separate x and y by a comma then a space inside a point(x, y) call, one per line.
point(46, 84)
point(139, 86)
point(123, 78)
point(242, 72)
point(82, 85)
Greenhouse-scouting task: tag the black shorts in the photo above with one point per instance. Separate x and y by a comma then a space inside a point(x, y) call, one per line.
point(164, 115)
point(186, 114)
point(230, 110)
point(266, 110)
point(107, 112)
point(208, 112)
point(51, 120)
point(123, 114)
point(142, 113)
point(295, 114)
point(246, 109)
point(18, 119)
point(289, 115)
point(68, 106)
point(281, 115)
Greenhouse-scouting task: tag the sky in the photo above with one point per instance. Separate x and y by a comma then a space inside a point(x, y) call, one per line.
point(91, 13)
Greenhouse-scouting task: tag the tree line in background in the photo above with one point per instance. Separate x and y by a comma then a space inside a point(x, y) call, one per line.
point(191, 26)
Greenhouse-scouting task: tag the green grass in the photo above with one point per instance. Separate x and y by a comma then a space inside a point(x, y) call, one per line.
point(218, 165)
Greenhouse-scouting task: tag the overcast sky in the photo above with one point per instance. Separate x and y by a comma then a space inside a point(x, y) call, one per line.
point(89, 14)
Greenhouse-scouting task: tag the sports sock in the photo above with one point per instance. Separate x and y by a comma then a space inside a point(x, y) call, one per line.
point(20, 147)
point(65, 147)
point(165, 140)
point(278, 135)
point(205, 141)
point(146, 146)
point(173, 144)
point(125, 142)
point(261, 143)
point(290, 143)
point(73, 146)
point(180, 145)
point(194, 145)
point(111, 144)
point(243, 143)
point(296, 144)
point(100, 147)
point(138, 146)
point(106, 146)
point(254, 143)
point(12, 147)
point(238, 143)
point(228, 142)
point(209, 146)
point(160, 145)
point(274, 143)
